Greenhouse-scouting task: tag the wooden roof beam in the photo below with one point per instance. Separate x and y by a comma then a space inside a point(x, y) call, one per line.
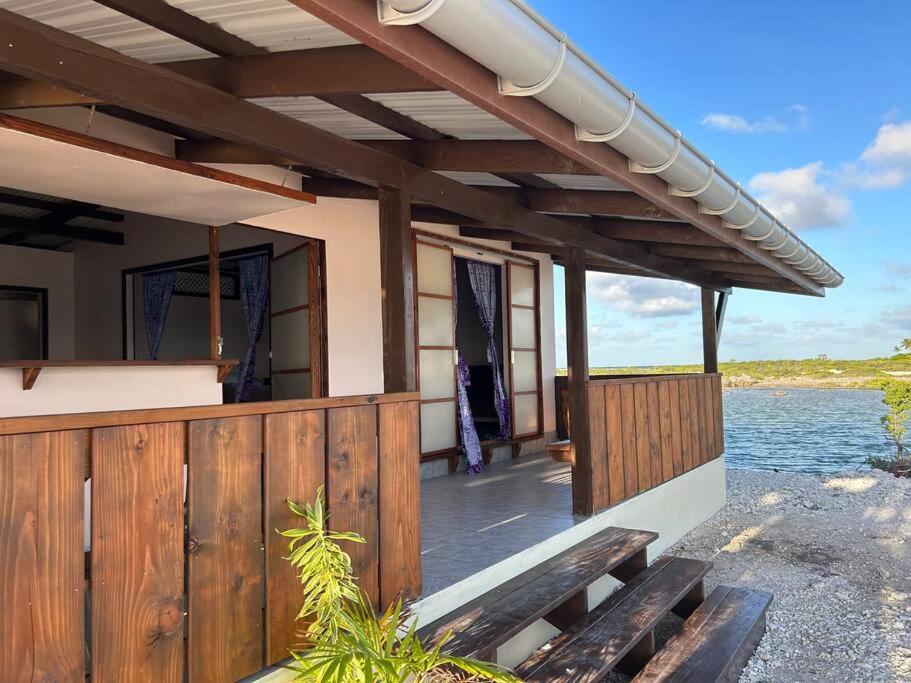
point(173, 21)
point(294, 73)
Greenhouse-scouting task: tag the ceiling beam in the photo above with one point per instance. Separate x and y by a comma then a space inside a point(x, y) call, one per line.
point(58, 228)
point(432, 58)
point(80, 208)
point(686, 251)
point(294, 73)
point(383, 116)
point(44, 53)
point(491, 156)
point(173, 21)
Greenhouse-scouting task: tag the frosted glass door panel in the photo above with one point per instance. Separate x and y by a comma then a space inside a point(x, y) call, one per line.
point(525, 371)
point(434, 270)
point(434, 321)
point(438, 426)
point(437, 374)
point(523, 328)
point(522, 285)
point(525, 414)
point(290, 325)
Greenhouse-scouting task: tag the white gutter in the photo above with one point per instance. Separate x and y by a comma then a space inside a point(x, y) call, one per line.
point(533, 59)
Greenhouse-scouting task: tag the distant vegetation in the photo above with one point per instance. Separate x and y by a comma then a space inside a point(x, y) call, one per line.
point(820, 372)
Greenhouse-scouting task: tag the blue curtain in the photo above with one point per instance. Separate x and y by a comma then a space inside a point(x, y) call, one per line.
point(483, 278)
point(157, 289)
point(254, 293)
point(470, 441)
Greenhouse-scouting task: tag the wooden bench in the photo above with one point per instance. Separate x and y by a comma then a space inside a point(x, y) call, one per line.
point(553, 590)
point(716, 641)
point(620, 631)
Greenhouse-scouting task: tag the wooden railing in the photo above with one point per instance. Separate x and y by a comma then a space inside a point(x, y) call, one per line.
point(646, 430)
point(185, 578)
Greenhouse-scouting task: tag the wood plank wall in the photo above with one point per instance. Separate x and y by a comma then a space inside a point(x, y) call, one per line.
point(646, 430)
point(188, 581)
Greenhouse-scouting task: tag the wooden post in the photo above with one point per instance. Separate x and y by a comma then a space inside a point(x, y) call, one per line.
point(214, 295)
point(397, 278)
point(577, 364)
point(709, 332)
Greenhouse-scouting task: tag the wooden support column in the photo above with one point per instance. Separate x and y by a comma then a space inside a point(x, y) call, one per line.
point(577, 364)
point(397, 278)
point(214, 295)
point(709, 331)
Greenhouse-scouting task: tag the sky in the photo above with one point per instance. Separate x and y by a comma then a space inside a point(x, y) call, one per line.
point(808, 104)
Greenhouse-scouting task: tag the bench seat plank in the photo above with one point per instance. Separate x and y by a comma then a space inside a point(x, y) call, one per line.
point(596, 643)
point(716, 641)
point(485, 623)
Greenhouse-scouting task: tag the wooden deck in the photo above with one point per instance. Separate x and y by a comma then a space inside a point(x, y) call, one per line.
point(188, 579)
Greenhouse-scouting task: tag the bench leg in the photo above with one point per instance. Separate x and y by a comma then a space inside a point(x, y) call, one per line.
point(634, 660)
point(453, 464)
point(487, 454)
point(690, 601)
point(628, 569)
point(516, 450)
point(569, 612)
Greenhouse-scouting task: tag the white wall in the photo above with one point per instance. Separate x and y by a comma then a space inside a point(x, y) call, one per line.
point(53, 270)
point(91, 389)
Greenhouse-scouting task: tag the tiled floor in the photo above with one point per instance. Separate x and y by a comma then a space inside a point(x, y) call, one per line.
point(469, 523)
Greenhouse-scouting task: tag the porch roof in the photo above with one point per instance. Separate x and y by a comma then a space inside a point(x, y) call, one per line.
point(407, 97)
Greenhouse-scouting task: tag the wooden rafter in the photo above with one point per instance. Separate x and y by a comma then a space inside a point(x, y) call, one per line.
point(349, 69)
point(383, 116)
point(430, 57)
point(54, 224)
point(183, 25)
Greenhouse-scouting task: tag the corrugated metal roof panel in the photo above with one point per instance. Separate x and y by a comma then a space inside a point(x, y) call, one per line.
point(14, 211)
point(450, 114)
point(473, 178)
point(583, 182)
point(272, 24)
point(88, 19)
point(322, 115)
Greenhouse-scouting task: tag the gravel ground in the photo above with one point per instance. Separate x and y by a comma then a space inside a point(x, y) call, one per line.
point(836, 553)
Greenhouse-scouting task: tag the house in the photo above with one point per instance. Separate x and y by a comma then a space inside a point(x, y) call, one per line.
point(254, 247)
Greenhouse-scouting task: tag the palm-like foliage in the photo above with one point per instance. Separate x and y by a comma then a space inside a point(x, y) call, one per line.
point(346, 641)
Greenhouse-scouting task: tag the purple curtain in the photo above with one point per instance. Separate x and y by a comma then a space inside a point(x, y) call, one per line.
point(469, 433)
point(483, 278)
point(157, 289)
point(254, 293)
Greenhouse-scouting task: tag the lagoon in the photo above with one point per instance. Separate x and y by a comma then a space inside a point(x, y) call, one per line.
point(803, 430)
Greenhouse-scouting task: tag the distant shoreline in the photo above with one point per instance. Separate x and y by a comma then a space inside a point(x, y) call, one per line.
point(811, 373)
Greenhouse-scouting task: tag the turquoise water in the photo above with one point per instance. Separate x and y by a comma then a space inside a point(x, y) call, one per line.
point(803, 430)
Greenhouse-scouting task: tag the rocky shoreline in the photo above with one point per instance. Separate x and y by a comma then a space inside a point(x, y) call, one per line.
point(836, 553)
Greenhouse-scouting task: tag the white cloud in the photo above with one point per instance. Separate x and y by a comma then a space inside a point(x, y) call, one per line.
point(800, 197)
point(643, 297)
point(732, 123)
point(746, 319)
point(885, 163)
point(892, 145)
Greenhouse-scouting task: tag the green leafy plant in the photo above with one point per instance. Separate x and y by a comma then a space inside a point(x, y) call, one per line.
point(897, 397)
point(345, 640)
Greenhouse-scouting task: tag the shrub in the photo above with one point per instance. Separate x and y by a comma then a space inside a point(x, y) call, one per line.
point(346, 642)
point(897, 397)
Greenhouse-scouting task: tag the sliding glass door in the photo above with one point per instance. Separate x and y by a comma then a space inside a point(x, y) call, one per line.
point(524, 346)
point(436, 346)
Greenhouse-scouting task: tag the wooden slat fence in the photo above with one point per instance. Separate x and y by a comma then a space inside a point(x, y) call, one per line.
point(185, 578)
point(647, 429)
